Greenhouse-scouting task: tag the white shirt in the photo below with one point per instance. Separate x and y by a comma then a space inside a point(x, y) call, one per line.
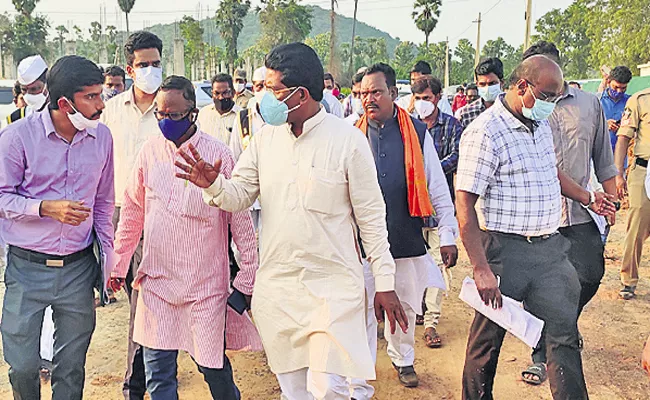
point(513, 170)
point(315, 190)
point(235, 142)
point(130, 129)
point(336, 108)
point(443, 104)
point(215, 124)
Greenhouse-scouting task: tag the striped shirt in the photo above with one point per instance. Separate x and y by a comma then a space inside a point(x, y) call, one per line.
point(514, 172)
point(183, 278)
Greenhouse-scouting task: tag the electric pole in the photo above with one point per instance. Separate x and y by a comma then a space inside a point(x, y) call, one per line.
point(477, 57)
point(447, 64)
point(529, 20)
point(354, 27)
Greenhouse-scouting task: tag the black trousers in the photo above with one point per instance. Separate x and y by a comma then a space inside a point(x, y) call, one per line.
point(540, 275)
point(587, 255)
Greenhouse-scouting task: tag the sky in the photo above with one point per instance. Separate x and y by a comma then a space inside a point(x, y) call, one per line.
point(500, 17)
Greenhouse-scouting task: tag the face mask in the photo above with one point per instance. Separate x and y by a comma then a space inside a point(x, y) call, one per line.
point(357, 106)
point(336, 92)
point(239, 87)
point(275, 112)
point(108, 93)
point(424, 108)
point(148, 79)
point(224, 104)
point(615, 95)
point(328, 91)
point(35, 101)
point(540, 111)
point(490, 93)
point(173, 130)
point(79, 121)
point(260, 95)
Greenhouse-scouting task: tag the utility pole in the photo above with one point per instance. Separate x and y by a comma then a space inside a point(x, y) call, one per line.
point(447, 64)
point(354, 27)
point(478, 41)
point(529, 20)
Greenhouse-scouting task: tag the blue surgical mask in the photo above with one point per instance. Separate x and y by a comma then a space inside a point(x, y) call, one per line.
point(490, 93)
point(273, 111)
point(615, 94)
point(109, 93)
point(173, 130)
point(540, 111)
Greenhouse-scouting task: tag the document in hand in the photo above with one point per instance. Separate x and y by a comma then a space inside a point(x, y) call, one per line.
point(511, 317)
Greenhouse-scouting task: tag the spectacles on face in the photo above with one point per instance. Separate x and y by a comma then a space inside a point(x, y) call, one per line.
point(177, 116)
point(278, 92)
point(544, 96)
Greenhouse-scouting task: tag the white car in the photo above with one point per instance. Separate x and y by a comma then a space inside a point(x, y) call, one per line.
point(203, 90)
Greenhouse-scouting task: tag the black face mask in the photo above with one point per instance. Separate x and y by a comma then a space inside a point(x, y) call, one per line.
point(224, 104)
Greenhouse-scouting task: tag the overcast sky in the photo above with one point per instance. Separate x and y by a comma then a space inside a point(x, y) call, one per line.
point(500, 17)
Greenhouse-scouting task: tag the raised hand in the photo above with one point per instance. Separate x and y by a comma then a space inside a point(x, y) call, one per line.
point(197, 170)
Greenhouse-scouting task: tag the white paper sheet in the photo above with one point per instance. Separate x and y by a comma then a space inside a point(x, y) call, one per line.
point(435, 275)
point(511, 317)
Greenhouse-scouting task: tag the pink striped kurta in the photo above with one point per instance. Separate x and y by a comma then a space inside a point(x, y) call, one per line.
point(183, 279)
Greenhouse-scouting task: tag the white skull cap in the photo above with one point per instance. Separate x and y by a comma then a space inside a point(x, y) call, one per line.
point(259, 74)
point(30, 69)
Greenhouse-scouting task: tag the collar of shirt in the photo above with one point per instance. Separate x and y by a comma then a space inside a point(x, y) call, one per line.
point(509, 117)
point(129, 98)
point(48, 124)
point(567, 92)
point(377, 125)
point(309, 125)
point(234, 110)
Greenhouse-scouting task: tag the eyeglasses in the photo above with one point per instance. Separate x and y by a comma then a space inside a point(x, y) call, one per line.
point(278, 92)
point(549, 97)
point(173, 116)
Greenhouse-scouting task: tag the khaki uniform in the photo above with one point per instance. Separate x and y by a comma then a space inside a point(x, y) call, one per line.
point(635, 124)
point(241, 99)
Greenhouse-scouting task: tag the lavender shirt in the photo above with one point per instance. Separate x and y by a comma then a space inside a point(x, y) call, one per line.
point(37, 164)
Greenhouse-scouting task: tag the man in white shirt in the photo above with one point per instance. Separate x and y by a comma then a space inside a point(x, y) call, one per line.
point(355, 99)
point(407, 102)
point(334, 106)
point(130, 117)
point(218, 118)
point(315, 178)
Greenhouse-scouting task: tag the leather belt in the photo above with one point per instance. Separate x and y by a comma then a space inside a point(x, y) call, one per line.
point(529, 239)
point(48, 259)
point(641, 162)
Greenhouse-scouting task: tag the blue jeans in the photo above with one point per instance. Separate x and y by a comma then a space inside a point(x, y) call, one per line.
point(161, 367)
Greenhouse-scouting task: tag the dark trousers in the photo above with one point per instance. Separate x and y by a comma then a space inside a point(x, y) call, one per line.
point(540, 275)
point(30, 288)
point(587, 255)
point(161, 367)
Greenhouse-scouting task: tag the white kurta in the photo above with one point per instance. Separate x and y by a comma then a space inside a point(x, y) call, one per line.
point(309, 300)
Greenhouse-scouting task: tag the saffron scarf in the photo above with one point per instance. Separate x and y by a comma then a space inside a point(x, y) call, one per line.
point(416, 179)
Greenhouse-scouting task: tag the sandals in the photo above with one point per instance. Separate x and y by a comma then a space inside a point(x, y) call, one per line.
point(627, 293)
point(432, 339)
point(536, 370)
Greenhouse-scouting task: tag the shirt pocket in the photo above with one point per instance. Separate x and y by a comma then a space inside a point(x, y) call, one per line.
point(327, 192)
point(193, 207)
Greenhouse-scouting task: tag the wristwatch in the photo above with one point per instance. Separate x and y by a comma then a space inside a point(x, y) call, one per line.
point(592, 199)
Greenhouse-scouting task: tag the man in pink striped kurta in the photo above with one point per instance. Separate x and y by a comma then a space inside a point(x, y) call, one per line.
point(183, 279)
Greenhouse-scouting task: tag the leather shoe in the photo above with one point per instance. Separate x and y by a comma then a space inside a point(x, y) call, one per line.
point(407, 376)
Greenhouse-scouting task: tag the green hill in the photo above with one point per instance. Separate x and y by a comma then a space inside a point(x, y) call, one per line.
point(251, 32)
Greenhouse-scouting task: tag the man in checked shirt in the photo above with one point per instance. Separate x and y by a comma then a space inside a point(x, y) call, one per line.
point(507, 164)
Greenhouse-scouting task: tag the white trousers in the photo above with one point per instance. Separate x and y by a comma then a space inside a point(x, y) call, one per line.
point(433, 295)
point(309, 385)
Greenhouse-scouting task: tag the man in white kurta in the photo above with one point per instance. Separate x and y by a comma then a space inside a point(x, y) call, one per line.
point(317, 184)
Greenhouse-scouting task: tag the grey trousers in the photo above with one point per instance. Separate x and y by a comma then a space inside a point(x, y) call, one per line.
point(540, 275)
point(30, 288)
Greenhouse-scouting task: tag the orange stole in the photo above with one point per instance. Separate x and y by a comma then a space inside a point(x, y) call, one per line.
point(416, 179)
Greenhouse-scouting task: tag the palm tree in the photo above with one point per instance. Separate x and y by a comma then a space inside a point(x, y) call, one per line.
point(230, 19)
point(126, 6)
point(61, 32)
point(425, 14)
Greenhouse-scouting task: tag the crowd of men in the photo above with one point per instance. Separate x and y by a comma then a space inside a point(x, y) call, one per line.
point(322, 215)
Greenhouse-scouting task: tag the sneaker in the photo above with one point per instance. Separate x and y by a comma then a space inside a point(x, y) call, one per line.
point(407, 376)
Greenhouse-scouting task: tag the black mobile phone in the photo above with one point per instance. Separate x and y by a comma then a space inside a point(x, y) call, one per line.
point(237, 301)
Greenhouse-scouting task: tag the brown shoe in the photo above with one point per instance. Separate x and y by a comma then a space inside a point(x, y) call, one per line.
point(407, 376)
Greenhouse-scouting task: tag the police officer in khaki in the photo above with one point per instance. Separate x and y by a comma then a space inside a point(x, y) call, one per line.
point(635, 124)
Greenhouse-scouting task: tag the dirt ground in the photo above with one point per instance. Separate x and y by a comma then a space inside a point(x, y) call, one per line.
point(614, 333)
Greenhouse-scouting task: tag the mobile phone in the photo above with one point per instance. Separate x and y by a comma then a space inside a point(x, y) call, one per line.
point(237, 301)
point(618, 122)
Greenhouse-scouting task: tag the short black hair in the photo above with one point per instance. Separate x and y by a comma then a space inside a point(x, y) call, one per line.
point(141, 40)
point(358, 77)
point(328, 77)
point(471, 86)
point(70, 75)
point(17, 91)
point(422, 67)
point(621, 74)
point(427, 82)
point(491, 65)
point(115, 70)
point(223, 78)
point(387, 70)
point(543, 48)
point(300, 66)
point(175, 82)
point(575, 83)
point(460, 89)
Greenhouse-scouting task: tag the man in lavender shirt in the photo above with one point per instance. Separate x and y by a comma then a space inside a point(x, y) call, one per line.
point(56, 198)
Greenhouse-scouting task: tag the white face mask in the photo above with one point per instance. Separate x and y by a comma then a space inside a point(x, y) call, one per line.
point(239, 87)
point(79, 121)
point(259, 95)
point(424, 108)
point(35, 101)
point(357, 106)
point(490, 93)
point(148, 79)
point(328, 91)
